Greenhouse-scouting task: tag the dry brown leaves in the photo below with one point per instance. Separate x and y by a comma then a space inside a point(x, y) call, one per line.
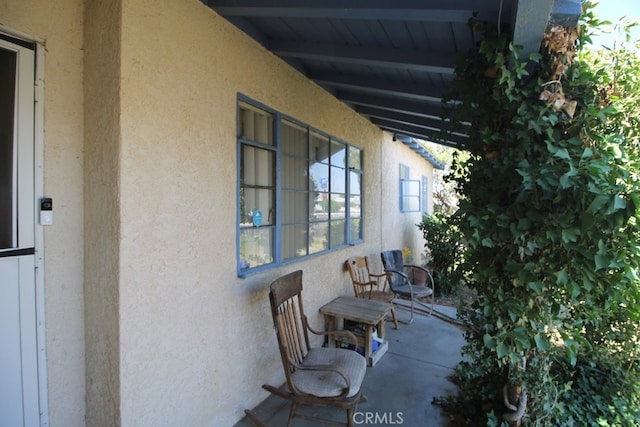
point(562, 44)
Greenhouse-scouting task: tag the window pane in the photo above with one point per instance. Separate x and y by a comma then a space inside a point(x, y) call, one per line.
point(257, 166)
point(355, 158)
point(337, 206)
point(319, 237)
point(255, 247)
point(354, 206)
point(294, 241)
point(338, 180)
point(410, 195)
point(410, 204)
point(7, 165)
point(319, 176)
point(337, 233)
point(411, 188)
point(404, 172)
point(256, 199)
point(425, 194)
point(255, 124)
point(321, 207)
point(319, 148)
point(338, 154)
point(294, 207)
point(294, 139)
point(355, 229)
point(294, 173)
point(355, 182)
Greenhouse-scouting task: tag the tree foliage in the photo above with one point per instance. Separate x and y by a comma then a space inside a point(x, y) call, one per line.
point(445, 198)
point(444, 251)
point(549, 211)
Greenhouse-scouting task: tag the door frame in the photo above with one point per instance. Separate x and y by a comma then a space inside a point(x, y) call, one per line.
point(38, 170)
point(38, 149)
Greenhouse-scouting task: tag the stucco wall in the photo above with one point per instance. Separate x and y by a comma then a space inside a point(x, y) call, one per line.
point(196, 341)
point(143, 304)
point(399, 228)
point(102, 211)
point(59, 25)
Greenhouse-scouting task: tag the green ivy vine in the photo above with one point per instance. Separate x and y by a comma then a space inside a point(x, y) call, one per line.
point(549, 214)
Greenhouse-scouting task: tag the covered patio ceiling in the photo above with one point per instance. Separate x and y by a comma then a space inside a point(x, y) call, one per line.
point(390, 60)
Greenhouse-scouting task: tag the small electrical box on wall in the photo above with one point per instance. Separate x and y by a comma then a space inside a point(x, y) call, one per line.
point(46, 211)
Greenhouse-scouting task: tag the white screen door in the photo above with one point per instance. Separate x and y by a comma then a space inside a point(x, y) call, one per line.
point(19, 403)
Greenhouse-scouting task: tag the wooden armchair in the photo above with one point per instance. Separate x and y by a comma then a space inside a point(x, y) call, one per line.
point(408, 281)
point(316, 376)
point(367, 285)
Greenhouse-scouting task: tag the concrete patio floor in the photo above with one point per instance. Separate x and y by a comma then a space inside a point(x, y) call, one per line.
point(401, 386)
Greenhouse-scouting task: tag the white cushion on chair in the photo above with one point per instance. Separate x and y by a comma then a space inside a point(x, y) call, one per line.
point(326, 383)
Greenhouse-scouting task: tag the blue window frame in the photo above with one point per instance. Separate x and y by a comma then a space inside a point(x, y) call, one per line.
point(410, 193)
point(299, 190)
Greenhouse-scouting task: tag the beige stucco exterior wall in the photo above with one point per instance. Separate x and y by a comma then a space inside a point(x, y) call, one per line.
point(146, 320)
point(102, 75)
point(196, 341)
point(59, 26)
point(399, 229)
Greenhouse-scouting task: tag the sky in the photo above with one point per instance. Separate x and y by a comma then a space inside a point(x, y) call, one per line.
point(613, 10)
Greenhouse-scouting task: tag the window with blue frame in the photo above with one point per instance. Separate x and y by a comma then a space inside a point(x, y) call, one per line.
point(299, 193)
point(409, 191)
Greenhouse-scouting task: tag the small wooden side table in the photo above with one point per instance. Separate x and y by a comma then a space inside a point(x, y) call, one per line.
point(367, 312)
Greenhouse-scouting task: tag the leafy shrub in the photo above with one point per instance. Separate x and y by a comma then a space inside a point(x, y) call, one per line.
point(444, 250)
point(601, 392)
point(551, 219)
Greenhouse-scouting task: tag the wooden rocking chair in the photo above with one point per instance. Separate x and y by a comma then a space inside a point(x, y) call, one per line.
point(367, 284)
point(316, 376)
